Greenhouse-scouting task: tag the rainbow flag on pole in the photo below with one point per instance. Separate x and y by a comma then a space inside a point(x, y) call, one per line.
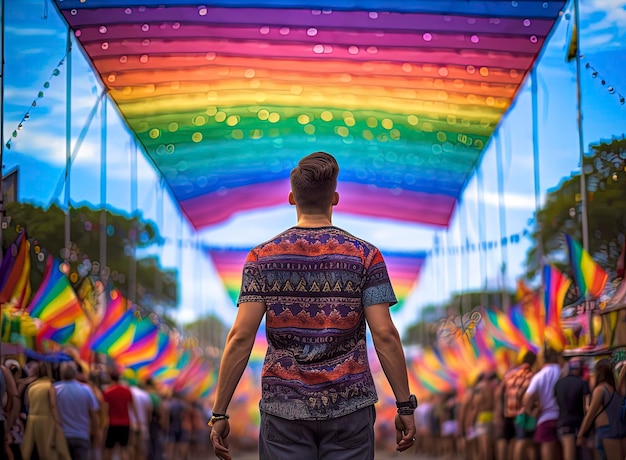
point(555, 286)
point(588, 275)
point(55, 303)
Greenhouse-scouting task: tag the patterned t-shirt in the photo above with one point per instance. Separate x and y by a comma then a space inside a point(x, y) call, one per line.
point(315, 283)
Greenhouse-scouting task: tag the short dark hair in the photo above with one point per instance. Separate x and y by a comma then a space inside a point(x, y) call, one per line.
point(551, 355)
point(314, 182)
point(530, 357)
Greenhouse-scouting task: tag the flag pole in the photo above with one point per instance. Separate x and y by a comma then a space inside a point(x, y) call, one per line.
point(581, 148)
point(2, 11)
point(68, 142)
point(581, 145)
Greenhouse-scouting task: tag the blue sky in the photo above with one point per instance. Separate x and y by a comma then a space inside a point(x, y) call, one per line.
point(35, 43)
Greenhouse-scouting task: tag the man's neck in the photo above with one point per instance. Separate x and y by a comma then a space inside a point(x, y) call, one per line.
point(314, 220)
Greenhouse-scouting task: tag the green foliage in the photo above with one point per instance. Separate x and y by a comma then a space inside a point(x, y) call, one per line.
point(605, 173)
point(209, 330)
point(46, 227)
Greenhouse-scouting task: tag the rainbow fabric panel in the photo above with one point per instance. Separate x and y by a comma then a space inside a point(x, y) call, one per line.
point(226, 96)
point(403, 267)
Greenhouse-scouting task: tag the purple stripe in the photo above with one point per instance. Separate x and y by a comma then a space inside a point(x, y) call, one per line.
point(344, 20)
point(281, 36)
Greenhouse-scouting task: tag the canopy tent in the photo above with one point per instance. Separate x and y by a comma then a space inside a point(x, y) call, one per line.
point(225, 96)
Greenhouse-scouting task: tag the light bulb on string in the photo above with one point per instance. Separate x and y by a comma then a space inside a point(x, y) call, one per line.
point(614, 177)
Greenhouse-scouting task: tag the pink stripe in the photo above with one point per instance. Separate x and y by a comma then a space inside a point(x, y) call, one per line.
point(308, 52)
point(365, 200)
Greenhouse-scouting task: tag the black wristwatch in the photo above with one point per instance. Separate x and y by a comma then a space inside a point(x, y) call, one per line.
point(407, 407)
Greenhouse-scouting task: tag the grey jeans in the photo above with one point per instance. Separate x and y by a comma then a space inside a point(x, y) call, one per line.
point(350, 437)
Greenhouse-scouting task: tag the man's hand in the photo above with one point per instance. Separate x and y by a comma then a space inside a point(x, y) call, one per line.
point(405, 432)
point(219, 433)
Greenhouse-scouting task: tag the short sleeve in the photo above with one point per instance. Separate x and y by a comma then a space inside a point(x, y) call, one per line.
point(533, 386)
point(93, 401)
point(377, 288)
point(252, 283)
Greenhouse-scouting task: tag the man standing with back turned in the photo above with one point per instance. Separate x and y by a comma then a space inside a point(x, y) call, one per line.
point(318, 286)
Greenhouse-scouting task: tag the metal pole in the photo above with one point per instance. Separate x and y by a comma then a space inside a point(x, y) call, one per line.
point(132, 275)
point(1, 136)
point(482, 220)
point(502, 215)
point(103, 190)
point(581, 144)
point(68, 142)
point(534, 89)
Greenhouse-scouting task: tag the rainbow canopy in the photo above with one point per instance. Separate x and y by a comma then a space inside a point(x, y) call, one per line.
point(225, 96)
point(404, 269)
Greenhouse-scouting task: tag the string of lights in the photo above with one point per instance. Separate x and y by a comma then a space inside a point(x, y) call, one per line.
point(609, 87)
point(55, 73)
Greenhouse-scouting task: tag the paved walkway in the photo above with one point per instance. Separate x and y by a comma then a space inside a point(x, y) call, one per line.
point(380, 455)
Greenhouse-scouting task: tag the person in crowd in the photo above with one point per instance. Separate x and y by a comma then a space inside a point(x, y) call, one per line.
point(317, 286)
point(504, 431)
point(43, 437)
point(120, 403)
point(155, 447)
point(449, 424)
point(571, 393)
point(514, 387)
point(179, 416)
point(140, 435)
point(467, 421)
point(423, 427)
point(15, 431)
point(605, 411)
point(484, 401)
point(540, 402)
point(9, 408)
point(78, 409)
point(94, 381)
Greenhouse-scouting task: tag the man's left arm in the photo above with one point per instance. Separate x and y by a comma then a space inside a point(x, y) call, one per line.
point(391, 356)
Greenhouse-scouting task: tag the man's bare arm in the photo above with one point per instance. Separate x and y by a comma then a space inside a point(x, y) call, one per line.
point(389, 349)
point(237, 352)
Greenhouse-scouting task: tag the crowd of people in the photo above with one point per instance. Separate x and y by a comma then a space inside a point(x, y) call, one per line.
point(548, 410)
point(56, 411)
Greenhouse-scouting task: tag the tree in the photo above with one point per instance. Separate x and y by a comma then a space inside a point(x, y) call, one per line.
point(46, 228)
point(210, 332)
point(605, 173)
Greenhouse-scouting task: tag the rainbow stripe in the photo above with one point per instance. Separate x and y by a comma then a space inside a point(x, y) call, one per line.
point(144, 346)
point(15, 272)
point(116, 331)
point(226, 95)
point(55, 302)
point(503, 330)
point(404, 269)
point(555, 287)
point(588, 275)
